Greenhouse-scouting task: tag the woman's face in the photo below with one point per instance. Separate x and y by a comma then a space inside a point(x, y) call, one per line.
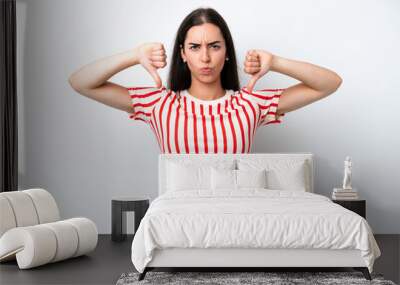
point(204, 47)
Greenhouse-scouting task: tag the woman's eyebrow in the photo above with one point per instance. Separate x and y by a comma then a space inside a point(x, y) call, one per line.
point(208, 43)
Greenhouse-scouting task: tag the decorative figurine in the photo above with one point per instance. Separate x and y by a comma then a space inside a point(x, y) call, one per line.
point(347, 173)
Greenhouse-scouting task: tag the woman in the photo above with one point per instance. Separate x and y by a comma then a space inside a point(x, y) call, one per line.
point(203, 109)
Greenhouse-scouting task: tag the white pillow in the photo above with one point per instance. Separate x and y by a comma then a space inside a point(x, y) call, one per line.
point(223, 178)
point(187, 177)
point(256, 178)
point(237, 179)
point(193, 174)
point(281, 174)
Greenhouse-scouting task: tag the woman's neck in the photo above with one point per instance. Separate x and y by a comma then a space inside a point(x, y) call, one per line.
point(206, 91)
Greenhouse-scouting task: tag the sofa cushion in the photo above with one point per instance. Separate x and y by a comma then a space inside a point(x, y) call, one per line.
point(27, 208)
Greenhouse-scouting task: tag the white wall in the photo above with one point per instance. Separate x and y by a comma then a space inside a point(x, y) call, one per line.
point(84, 152)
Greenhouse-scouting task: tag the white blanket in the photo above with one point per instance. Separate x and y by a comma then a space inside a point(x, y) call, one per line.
point(250, 218)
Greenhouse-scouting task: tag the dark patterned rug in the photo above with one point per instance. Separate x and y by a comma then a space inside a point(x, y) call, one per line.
point(270, 278)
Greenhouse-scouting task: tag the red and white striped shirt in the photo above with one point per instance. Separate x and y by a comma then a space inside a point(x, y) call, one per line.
point(183, 123)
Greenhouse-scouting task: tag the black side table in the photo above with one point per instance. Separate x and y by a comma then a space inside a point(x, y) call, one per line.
point(357, 206)
point(119, 207)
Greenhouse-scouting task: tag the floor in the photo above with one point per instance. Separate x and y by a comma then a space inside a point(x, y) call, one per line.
point(111, 259)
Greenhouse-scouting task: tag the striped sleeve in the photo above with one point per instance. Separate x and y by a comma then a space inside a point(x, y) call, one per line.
point(267, 100)
point(143, 100)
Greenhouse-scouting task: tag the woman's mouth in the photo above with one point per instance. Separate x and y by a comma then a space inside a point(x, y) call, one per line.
point(205, 71)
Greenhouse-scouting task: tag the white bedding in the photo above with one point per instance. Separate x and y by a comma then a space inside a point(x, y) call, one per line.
point(250, 218)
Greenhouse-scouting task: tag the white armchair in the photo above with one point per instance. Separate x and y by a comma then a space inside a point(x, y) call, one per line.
point(32, 233)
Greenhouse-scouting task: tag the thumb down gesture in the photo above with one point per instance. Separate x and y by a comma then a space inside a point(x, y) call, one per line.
point(257, 63)
point(152, 56)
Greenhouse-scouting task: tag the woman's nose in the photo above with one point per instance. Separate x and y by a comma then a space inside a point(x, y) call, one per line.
point(204, 55)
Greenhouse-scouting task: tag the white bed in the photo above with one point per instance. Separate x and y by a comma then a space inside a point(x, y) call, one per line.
point(250, 227)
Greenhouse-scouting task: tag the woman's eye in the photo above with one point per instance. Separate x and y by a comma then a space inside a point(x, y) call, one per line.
point(195, 47)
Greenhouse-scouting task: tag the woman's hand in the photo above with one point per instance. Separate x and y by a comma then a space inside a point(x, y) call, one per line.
point(152, 56)
point(257, 63)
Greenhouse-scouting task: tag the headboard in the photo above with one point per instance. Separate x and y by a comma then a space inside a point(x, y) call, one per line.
point(210, 158)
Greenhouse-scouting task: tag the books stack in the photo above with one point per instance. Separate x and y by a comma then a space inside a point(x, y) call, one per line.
point(344, 194)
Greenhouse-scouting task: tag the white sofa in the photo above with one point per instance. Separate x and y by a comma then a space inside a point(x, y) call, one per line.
point(32, 233)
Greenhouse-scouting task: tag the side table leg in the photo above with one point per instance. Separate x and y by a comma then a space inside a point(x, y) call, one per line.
point(116, 221)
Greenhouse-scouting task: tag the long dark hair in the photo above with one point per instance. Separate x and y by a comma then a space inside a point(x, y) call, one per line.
point(179, 74)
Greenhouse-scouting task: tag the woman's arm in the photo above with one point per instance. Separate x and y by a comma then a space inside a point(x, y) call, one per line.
point(316, 83)
point(91, 80)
